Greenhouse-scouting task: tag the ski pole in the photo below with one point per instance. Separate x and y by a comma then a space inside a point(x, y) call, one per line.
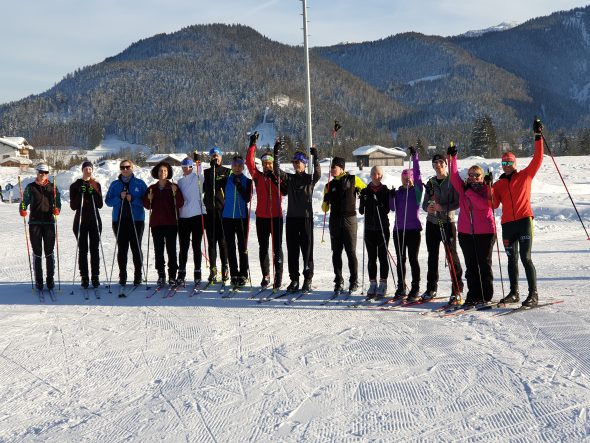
point(136, 236)
point(491, 172)
point(77, 240)
point(117, 237)
point(22, 203)
point(99, 230)
point(56, 235)
point(384, 239)
point(148, 246)
point(565, 186)
point(244, 236)
point(449, 257)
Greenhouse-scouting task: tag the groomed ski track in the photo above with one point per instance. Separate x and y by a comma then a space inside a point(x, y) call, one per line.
point(206, 369)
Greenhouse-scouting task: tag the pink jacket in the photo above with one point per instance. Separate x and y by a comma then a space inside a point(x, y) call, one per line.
point(472, 205)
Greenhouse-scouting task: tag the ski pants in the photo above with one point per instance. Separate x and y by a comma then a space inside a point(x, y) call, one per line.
point(266, 229)
point(215, 238)
point(235, 231)
point(343, 236)
point(165, 237)
point(89, 235)
point(434, 237)
point(376, 248)
point(409, 241)
point(43, 239)
point(190, 233)
point(477, 251)
point(517, 237)
point(299, 231)
point(126, 239)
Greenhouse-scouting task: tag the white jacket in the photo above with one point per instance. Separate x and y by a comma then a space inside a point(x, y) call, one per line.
point(191, 187)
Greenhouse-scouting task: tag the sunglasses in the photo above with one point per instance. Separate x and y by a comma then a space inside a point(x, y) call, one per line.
point(43, 172)
point(125, 167)
point(507, 163)
point(438, 162)
point(474, 174)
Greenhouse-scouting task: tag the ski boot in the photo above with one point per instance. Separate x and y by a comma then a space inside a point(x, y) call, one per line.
point(455, 299)
point(306, 287)
point(428, 295)
point(354, 285)
point(381, 289)
point(512, 297)
point(293, 286)
point(532, 300)
point(265, 281)
point(85, 282)
point(95, 281)
point(372, 289)
point(213, 275)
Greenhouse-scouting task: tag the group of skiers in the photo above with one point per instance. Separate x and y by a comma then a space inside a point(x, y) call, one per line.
point(212, 206)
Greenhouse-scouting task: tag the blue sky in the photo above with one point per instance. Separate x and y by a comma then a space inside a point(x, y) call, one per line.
point(43, 40)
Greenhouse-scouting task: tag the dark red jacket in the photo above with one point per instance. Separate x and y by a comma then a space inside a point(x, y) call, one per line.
point(89, 215)
point(162, 205)
point(267, 191)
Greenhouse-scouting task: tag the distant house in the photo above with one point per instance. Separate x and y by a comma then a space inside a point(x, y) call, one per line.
point(14, 152)
point(173, 159)
point(375, 155)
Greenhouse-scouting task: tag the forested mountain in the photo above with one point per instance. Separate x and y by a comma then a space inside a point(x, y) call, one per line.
point(201, 86)
point(209, 84)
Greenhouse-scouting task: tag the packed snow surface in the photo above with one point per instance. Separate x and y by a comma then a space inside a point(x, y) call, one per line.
point(207, 369)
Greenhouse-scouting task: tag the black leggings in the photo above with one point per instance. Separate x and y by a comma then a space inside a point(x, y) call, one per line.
point(411, 239)
point(477, 251)
point(515, 235)
point(376, 248)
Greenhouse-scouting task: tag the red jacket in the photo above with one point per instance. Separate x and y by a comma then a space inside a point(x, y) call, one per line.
point(163, 205)
point(514, 191)
point(267, 192)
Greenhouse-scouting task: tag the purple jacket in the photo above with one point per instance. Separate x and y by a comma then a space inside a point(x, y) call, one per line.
point(406, 217)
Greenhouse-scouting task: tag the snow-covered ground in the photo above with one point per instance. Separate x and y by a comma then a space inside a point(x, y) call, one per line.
point(214, 370)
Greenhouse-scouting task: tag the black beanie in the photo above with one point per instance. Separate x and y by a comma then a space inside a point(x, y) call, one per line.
point(86, 164)
point(339, 161)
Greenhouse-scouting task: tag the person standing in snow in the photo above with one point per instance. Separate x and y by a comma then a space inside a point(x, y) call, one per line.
point(374, 205)
point(214, 199)
point(476, 230)
point(39, 195)
point(440, 202)
point(86, 194)
point(269, 220)
point(164, 199)
point(238, 191)
point(125, 196)
point(513, 192)
point(405, 202)
point(299, 224)
point(191, 220)
point(340, 199)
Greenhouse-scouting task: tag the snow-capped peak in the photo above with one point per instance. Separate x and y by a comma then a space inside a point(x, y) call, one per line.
point(504, 26)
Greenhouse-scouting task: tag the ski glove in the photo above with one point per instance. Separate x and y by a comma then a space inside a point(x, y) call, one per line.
point(537, 126)
point(254, 138)
point(452, 150)
point(488, 179)
point(22, 213)
point(277, 148)
point(412, 150)
point(55, 211)
point(314, 152)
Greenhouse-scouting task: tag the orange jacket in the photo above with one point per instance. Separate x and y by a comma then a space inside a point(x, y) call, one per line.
point(514, 191)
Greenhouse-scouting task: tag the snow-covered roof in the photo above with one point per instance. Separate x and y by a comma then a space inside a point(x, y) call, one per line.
point(366, 150)
point(156, 158)
point(19, 160)
point(15, 142)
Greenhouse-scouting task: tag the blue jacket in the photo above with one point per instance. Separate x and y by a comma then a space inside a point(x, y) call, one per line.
point(236, 196)
point(137, 188)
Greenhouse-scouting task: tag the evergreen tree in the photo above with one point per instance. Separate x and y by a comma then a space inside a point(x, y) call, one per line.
point(483, 137)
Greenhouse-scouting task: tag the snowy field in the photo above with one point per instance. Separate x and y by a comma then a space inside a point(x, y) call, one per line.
point(206, 369)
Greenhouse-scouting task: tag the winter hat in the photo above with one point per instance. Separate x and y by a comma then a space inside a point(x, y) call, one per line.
point(187, 163)
point(87, 164)
point(508, 157)
point(301, 157)
point(215, 150)
point(156, 168)
point(238, 160)
point(42, 167)
point(267, 157)
point(438, 157)
point(339, 161)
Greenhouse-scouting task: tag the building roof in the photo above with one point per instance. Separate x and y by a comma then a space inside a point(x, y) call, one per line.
point(20, 160)
point(15, 142)
point(369, 149)
point(157, 158)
